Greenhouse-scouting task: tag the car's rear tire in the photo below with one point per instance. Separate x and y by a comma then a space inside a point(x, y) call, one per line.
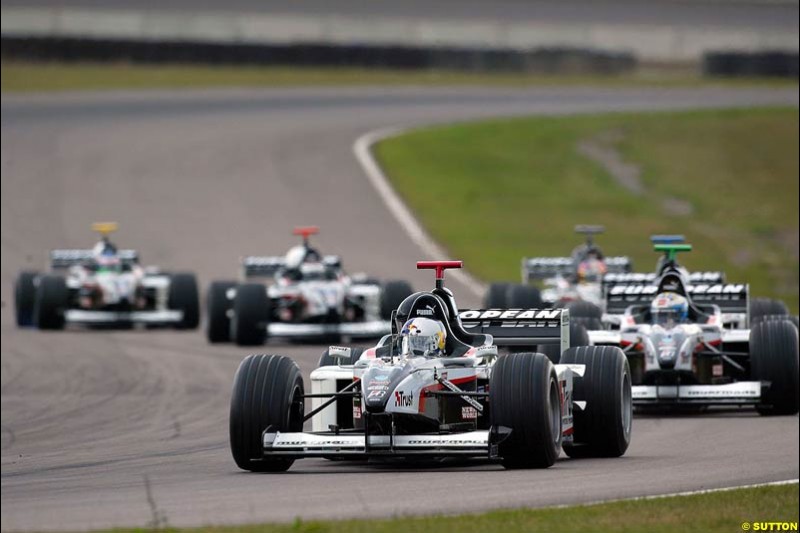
point(495, 297)
point(267, 391)
point(51, 302)
point(761, 307)
point(791, 318)
point(218, 328)
point(577, 337)
point(586, 313)
point(327, 360)
point(184, 296)
point(524, 396)
point(603, 427)
point(774, 359)
point(393, 294)
point(25, 298)
point(251, 313)
point(523, 297)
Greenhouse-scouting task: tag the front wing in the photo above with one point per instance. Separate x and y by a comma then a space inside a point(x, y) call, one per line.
point(299, 445)
point(739, 393)
point(87, 317)
point(368, 329)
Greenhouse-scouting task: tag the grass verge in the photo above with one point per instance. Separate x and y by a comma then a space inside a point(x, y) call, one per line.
point(30, 76)
point(722, 512)
point(495, 191)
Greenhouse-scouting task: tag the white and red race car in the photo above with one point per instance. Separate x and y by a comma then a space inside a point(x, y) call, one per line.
point(463, 399)
point(302, 295)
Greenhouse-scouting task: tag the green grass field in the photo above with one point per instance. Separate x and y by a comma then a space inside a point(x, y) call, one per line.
point(27, 76)
point(495, 191)
point(719, 512)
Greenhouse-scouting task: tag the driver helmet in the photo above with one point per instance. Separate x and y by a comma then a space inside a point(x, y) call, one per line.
point(295, 257)
point(669, 308)
point(591, 270)
point(108, 262)
point(423, 336)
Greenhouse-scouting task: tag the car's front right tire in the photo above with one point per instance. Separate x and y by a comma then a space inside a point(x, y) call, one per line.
point(267, 393)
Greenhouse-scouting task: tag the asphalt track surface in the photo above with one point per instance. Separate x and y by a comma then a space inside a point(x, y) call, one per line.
point(196, 179)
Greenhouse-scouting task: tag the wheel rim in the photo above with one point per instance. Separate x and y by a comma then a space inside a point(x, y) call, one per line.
point(555, 411)
point(627, 404)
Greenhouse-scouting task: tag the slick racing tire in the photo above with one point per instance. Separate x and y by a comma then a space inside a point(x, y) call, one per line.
point(184, 296)
point(218, 328)
point(25, 298)
point(577, 337)
point(393, 294)
point(761, 307)
point(791, 318)
point(586, 313)
point(50, 303)
point(326, 359)
point(603, 427)
point(773, 359)
point(523, 297)
point(495, 297)
point(251, 313)
point(525, 397)
point(267, 392)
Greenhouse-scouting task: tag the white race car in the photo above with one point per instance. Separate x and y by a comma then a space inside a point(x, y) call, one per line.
point(302, 295)
point(443, 392)
point(717, 351)
point(104, 286)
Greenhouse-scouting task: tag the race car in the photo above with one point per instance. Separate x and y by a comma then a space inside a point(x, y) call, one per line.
point(302, 295)
point(104, 286)
point(699, 344)
point(574, 282)
point(438, 387)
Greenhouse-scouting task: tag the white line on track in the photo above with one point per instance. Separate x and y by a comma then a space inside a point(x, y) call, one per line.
point(684, 493)
point(362, 147)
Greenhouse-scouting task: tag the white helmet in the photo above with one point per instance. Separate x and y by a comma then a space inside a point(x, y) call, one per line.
point(295, 257)
point(423, 336)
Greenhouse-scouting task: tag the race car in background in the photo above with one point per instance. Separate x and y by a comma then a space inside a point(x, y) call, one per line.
point(574, 282)
point(105, 286)
point(692, 343)
point(437, 387)
point(302, 295)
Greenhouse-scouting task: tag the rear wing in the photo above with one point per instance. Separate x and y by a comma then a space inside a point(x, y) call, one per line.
point(519, 327)
point(615, 278)
point(63, 259)
point(262, 266)
point(731, 298)
point(550, 267)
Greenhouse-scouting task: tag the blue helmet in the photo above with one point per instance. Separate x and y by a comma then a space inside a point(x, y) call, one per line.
point(669, 308)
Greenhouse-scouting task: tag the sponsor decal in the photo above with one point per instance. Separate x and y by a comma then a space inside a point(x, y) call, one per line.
point(403, 399)
point(375, 394)
point(469, 413)
point(356, 412)
point(339, 351)
point(511, 314)
point(715, 289)
point(716, 370)
point(427, 311)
